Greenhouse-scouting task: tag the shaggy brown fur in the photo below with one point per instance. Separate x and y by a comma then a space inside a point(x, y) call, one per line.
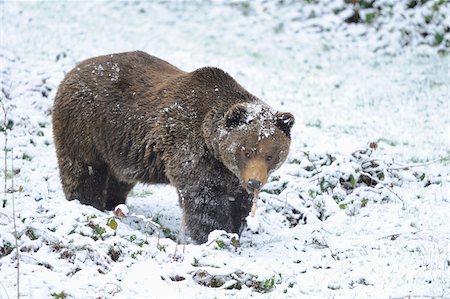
point(130, 117)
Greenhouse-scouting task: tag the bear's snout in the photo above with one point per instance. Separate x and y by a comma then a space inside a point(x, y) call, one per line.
point(254, 185)
point(254, 174)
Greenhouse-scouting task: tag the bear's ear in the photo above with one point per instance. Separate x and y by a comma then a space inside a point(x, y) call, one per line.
point(285, 121)
point(236, 116)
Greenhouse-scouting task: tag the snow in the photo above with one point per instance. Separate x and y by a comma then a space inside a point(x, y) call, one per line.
point(252, 223)
point(360, 209)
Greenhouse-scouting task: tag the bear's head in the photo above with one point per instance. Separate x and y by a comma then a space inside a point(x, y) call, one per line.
point(254, 141)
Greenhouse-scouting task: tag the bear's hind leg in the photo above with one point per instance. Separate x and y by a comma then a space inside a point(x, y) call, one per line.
point(86, 183)
point(116, 192)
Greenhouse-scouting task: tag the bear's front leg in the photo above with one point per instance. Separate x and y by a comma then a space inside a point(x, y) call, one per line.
point(207, 207)
point(240, 207)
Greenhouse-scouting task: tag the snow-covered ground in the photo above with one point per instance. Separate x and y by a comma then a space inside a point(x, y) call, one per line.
point(360, 209)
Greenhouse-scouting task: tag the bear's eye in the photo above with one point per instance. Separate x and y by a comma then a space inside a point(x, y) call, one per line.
point(247, 155)
point(269, 158)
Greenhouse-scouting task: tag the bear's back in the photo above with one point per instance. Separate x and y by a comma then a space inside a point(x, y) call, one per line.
point(136, 72)
point(97, 89)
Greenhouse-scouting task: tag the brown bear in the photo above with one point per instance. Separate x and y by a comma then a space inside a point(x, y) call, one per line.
point(131, 117)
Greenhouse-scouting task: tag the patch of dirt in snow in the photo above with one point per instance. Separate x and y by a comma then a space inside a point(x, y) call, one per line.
point(359, 210)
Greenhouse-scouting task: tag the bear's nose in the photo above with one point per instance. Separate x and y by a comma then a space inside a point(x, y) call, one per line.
point(254, 184)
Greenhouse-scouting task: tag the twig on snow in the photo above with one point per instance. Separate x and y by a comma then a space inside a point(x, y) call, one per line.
point(418, 164)
point(286, 198)
point(177, 240)
point(148, 222)
point(184, 224)
point(4, 289)
point(5, 168)
point(315, 167)
point(117, 290)
point(5, 215)
point(395, 236)
point(15, 227)
point(286, 204)
point(182, 227)
point(5, 115)
point(382, 183)
point(322, 243)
